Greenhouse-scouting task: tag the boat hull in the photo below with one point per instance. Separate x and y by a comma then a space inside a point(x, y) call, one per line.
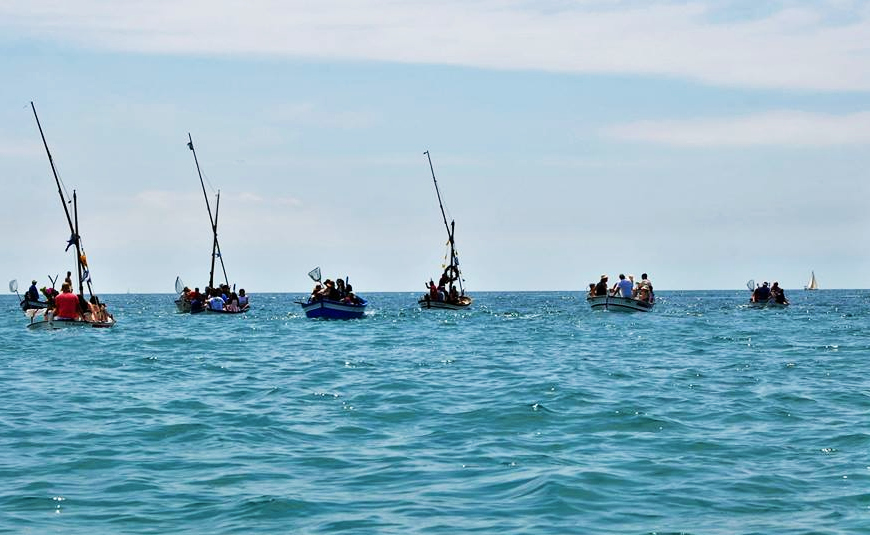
point(618, 304)
point(41, 323)
point(27, 304)
point(334, 310)
point(426, 302)
point(767, 304)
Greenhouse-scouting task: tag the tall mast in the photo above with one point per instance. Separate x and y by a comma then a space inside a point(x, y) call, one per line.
point(451, 227)
point(215, 248)
point(438, 192)
point(78, 251)
point(73, 229)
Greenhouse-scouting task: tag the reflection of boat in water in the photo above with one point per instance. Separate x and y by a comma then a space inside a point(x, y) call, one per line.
point(813, 284)
point(445, 296)
point(183, 303)
point(618, 304)
point(334, 310)
point(90, 313)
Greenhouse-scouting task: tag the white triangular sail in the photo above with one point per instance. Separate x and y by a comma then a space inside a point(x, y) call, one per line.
point(812, 285)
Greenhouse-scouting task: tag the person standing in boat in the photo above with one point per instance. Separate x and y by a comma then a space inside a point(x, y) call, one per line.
point(624, 287)
point(601, 287)
point(33, 292)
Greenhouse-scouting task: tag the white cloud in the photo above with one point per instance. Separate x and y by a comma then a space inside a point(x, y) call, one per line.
point(777, 128)
point(309, 114)
point(795, 47)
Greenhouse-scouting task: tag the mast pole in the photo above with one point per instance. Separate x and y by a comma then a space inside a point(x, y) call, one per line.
point(78, 247)
point(63, 201)
point(216, 242)
point(444, 216)
point(214, 245)
point(438, 192)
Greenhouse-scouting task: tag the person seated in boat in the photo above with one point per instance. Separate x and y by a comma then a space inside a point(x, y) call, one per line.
point(315, 293)
point(67, 304)
point(761, 294)
point(243, 299)
point(32, 292)
point(195, 298)
point(778, 294)
point(50, 294)
point(601, 287)
point(453, 295)
point(591, 292)
point(216, 301)
point(643, 292)
point(331, 291)
point(339, 287)
point(624, 288)
point(433, 290)
point(105, 316)
point(232, 304)
point(644, 280)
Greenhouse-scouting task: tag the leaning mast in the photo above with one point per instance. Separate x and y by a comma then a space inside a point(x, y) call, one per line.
point(451, 227)
point(215, 248)
point(74, 236)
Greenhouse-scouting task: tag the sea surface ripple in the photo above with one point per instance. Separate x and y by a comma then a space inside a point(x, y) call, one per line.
point(528, 413)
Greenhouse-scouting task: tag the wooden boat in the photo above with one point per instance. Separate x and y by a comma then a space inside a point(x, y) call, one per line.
point(449, 298)
point(182, 304)
point(461, 304)
point(26, 303)
point(619, 304)
point(770, 303)
point(43, 318)
point(334, 310)
point(813, 284)
point(321, 307)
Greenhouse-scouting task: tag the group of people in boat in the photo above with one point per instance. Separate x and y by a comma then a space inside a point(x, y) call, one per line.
point(68, 306)
point(445, 290)
point(626, 286)
point(337, 290)
point(768, 294)
point(220, 299)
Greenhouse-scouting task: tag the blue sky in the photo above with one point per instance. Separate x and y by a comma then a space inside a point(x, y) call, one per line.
point(705, 143)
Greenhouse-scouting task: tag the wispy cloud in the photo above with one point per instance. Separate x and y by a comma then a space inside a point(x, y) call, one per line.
point(799, 45)
point(777, 128)
point(310, 114)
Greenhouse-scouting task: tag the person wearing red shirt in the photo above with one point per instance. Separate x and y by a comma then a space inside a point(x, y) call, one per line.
point(66, 304)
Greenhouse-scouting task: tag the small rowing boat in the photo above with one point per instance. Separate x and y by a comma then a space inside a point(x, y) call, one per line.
point(333, 300)
point(618, 304)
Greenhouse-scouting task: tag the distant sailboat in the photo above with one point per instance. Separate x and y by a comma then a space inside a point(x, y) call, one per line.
point(812, 285)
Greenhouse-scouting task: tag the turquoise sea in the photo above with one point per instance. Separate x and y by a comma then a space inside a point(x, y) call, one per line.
point(527, 414)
